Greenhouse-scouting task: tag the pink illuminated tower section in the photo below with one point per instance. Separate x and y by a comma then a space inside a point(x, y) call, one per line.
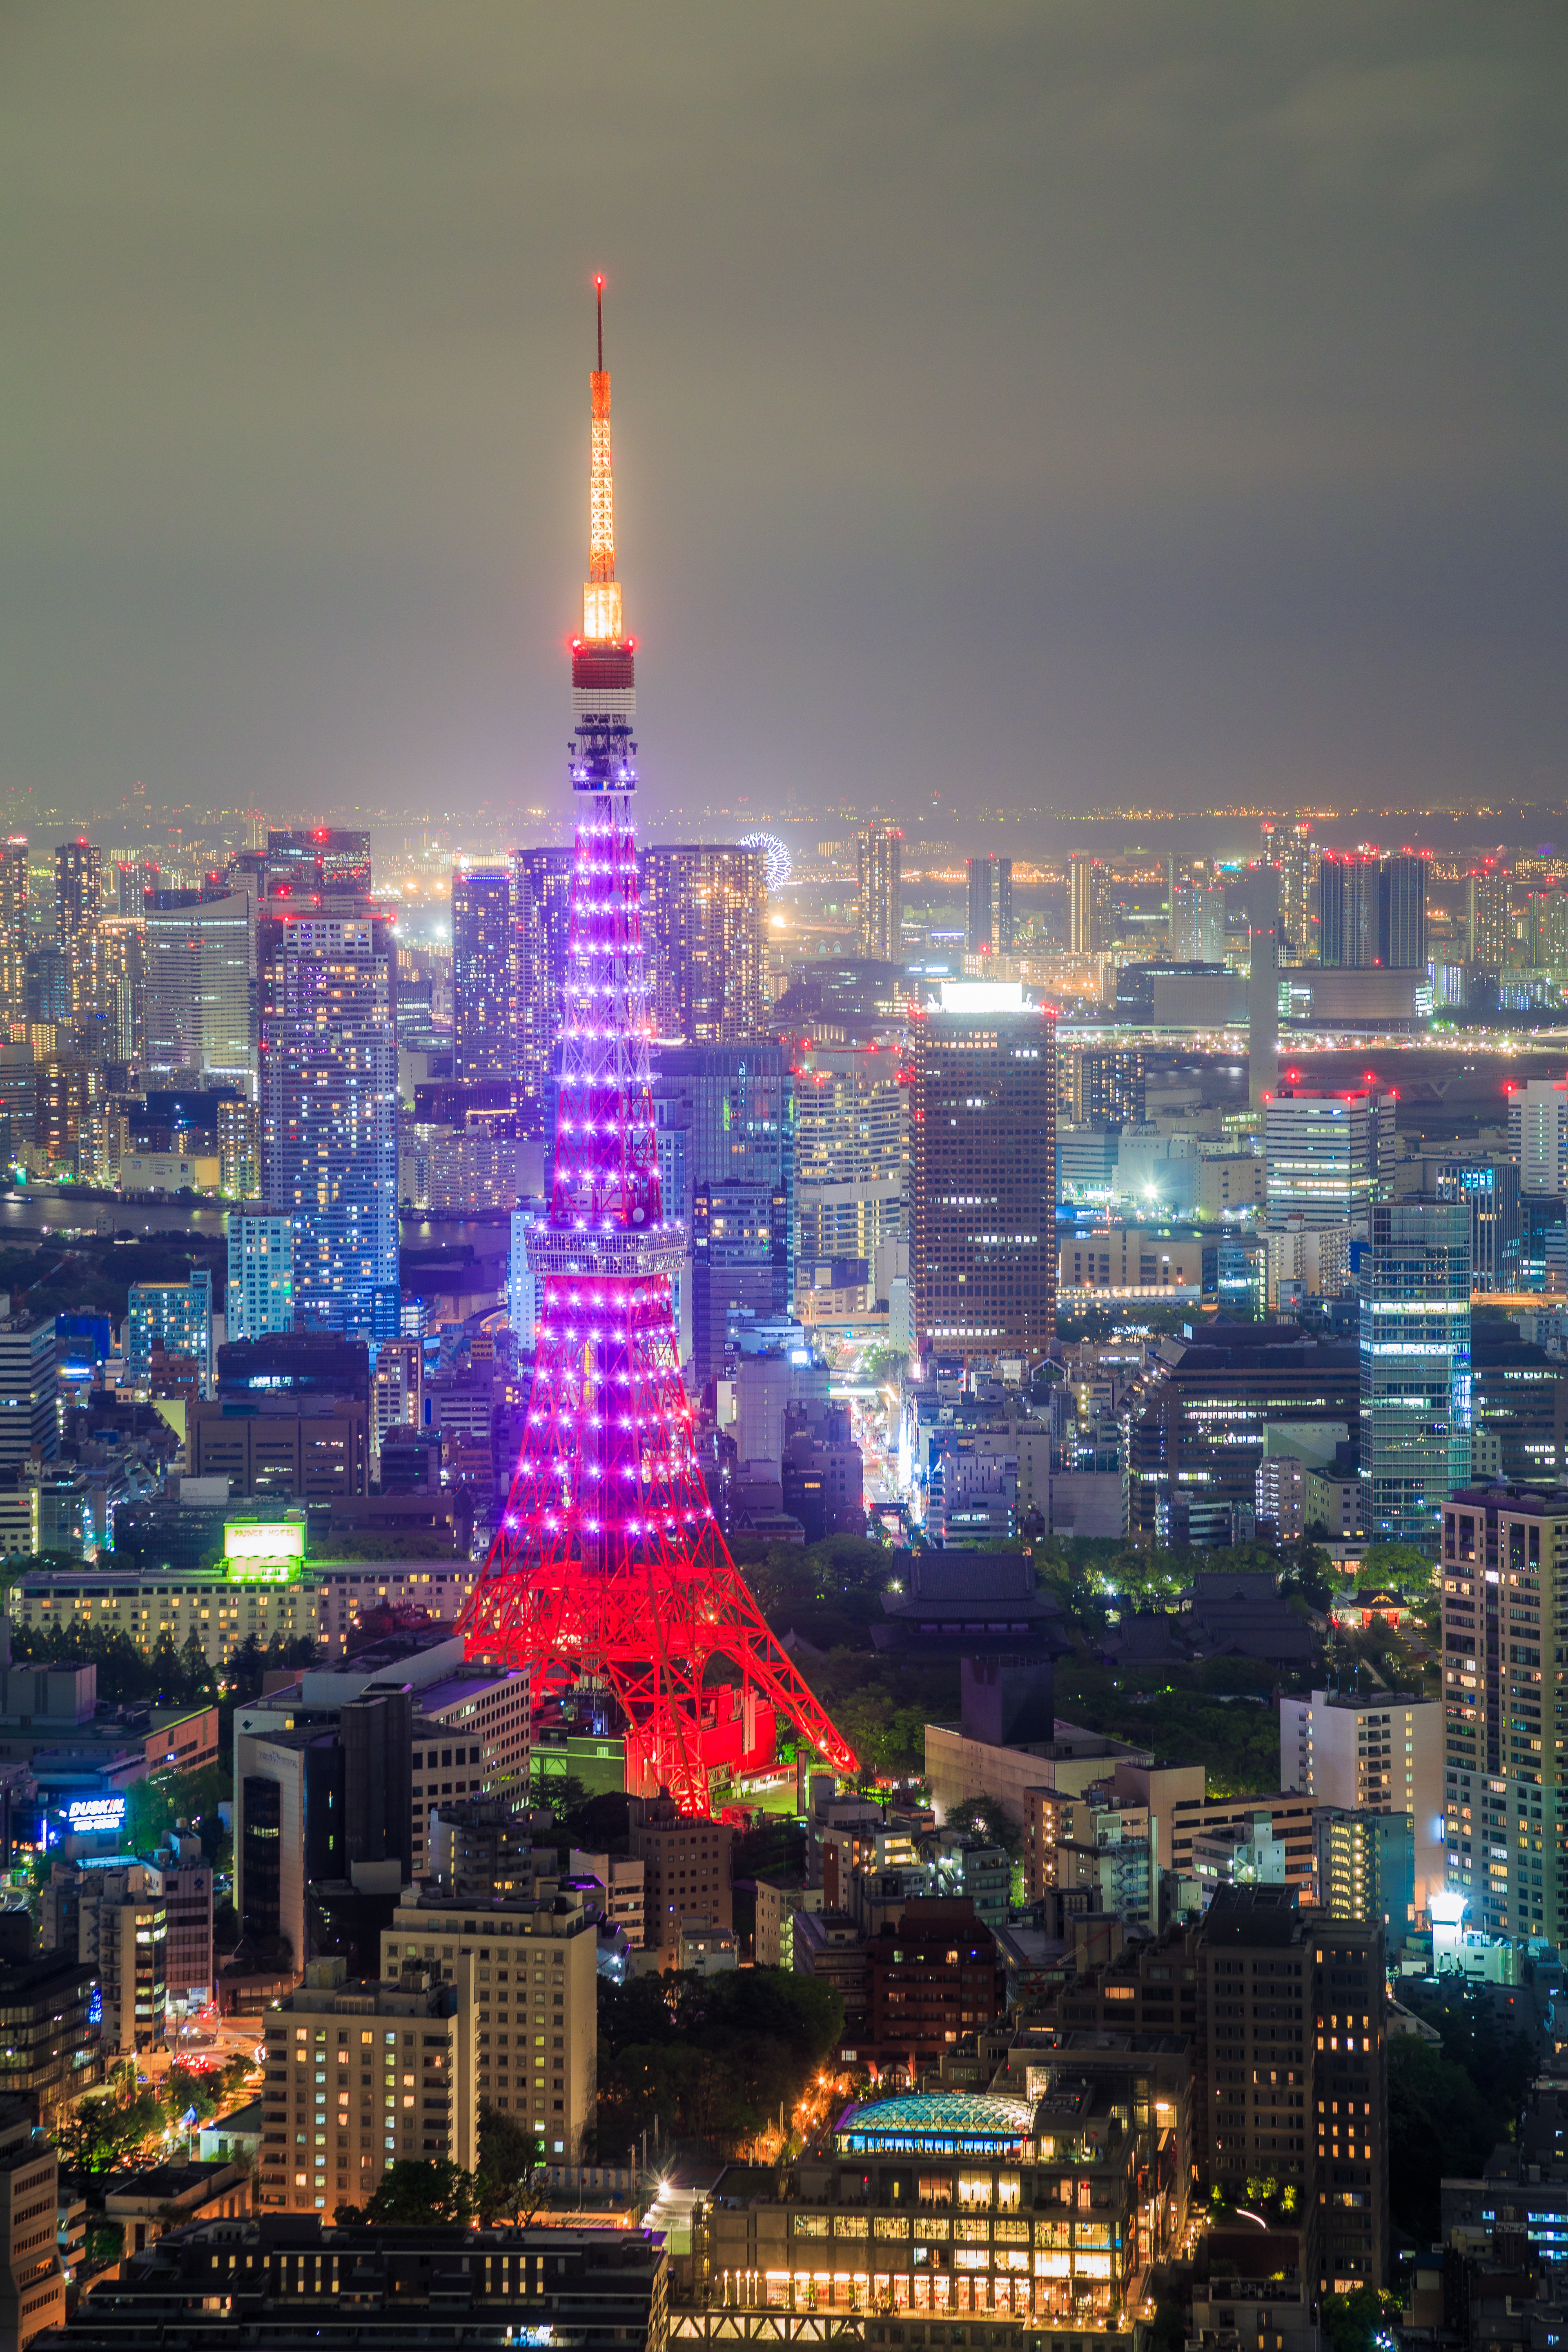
point(609, 1567)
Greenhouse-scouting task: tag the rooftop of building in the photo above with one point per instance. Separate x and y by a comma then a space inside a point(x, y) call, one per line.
point(961, 2123)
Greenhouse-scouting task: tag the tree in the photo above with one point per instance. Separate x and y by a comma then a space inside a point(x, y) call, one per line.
point(1354, 2322)
point(415, 2192)
point(510, 2155)
point(184, 2089)
point(107, 2133)
point(1438, 2122)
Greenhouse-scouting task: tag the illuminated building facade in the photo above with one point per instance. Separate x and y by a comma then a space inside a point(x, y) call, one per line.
point(705, 911)
point(1294, 850)
point(725, 1119)
point(609, 1561)
point(12, 932)
point(880, 890)
point(852, 1151)
point(79, 889)
point(329, 1115)
point(1491, 940)
point(1415, 1405)
point(542, 913)
point(485, 1020)
point(200, 1003)
point(259, 1294)
point(982, 1173)
point(1328, 1155)
point(990, 910)
point(1088, 907)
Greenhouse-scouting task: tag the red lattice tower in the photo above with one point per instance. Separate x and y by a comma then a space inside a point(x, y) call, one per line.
point(609, 1566)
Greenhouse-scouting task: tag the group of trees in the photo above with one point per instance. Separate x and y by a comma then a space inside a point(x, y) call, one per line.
point(1449, 2107)
point(169, 1675)
point(502, 2188)
point(130, 2121)
point(710, 2059)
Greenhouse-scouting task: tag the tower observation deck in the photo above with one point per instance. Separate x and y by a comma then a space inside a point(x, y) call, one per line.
point(609, 1569)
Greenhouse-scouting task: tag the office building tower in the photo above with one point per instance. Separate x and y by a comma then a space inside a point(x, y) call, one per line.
point(1101, 1082)
point(851, 1152)
point(1490, 1189)
point(1537, 1135)
point(484, 1043)
point(705, 911)
point(880, 890)
point(259, 1295)
point(609, 1559)
point(79, 890)
point(1348, 911)
point(1504, 1567)
point(329, 1115)
point(1414, 1365)
point(725, 1122)
point(123, 1930)
point(982, 1172)
point(1088, 907)
point(48, 987)
point(1328, 1155)
point(315, 866)
point(1378, 1751)
point(176, 1317)
point(115, 993)
point(990, 927)
point(29, 1383)
point(136, 880)
point(1366, 1868)
point(522, 1299)
point(13, 934)
point(1490, 936)
point(71, 1121)
point(201, 1004)
point(686, 1872)
point(1196, 925)
point(1294, 851)
point(1263, 985)
point(541, 911)
point(397, 1388)
point(238, 1148)
point(1546, 927)
point(1402, 912)
point(33, 2255)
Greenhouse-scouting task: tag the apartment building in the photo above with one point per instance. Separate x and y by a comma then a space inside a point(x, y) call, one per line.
point(686, 1867)
point(1380, 1751)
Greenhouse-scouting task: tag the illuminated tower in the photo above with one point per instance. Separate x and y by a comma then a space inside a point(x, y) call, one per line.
point(609, 1567)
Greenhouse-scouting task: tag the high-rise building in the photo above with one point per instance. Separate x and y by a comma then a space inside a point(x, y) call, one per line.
point(1490, 1189)
point(1294, 850)
point(541, 912)
point(71, 1129)
point(1348, 911)
point(123, 1930)
point(852, 1151)
point(1378, 1751)
point(1262, 985)
point(315, 865)
point(238, 1148)
point(483, 948)
point(115, 965)
point(1196, 925)
point(29, 1382)
point(880, 890)
point(725, 1122)
point(1415, 1364)
point(201, 1002)
point(136, 880)
point(1504, 1565)
point(705, 912)
point(609, 1559)
point(983, 1155)
point(174, 1316)
point(1546, 927)
point(13, 934)
point(259, 1295)
point(1402, 912)
point(990, 926)
point(1101, 1082)
point(1089, 906)
point(79, 889)
point(1328, 1155)
point(1366, 1867)
point(1537, 1135)
point(1491, 938)
point(397, 1386)
point(329, 1115)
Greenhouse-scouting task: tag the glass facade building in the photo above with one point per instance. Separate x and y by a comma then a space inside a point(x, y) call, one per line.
point(1415, 1407)
point(483, 1001)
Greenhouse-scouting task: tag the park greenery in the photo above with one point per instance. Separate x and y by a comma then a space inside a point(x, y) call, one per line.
point(131, 2123)
point(1449, 2107)
point(710, 2059)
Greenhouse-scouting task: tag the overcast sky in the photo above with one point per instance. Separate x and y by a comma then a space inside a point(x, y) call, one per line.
point(1033, 404)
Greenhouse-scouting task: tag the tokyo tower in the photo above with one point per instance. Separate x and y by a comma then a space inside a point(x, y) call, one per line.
point(609, 1567)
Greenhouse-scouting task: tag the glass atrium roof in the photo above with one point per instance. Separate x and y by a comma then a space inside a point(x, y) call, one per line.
point(937, 2122)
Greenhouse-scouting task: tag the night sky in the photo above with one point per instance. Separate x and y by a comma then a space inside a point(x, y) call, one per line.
point(1037, 405)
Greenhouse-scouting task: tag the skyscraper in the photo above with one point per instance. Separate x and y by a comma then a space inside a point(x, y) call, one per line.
point(1329, 1156)
point(201, 1004)
point(13, 933)
point(990, 924)
point(1402, 912)
point(79, 889)
point(1197, 925)
point(1490, 1189)
point(724, 1120)
point(982, 1172)
point(116, 993)
point(1263, 985)
point(1538, 1134)
point(329, 1115)
point(542, 913)
point(317, 865)
point(609, 1561)
point(1348, 911)
point(483, 1000)
point(1293, 849)
point(880, 890)
point(1491, 938)
point(1415, 1364)
point(852, 1151)
point(259, 1295)
point(705, 910)
point(1089, 906)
